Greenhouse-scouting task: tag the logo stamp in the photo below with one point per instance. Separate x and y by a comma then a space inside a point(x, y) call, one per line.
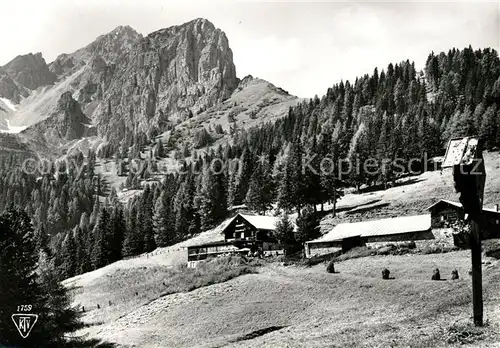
point(24, 323)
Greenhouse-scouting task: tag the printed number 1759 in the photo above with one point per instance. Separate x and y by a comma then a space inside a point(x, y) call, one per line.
point(24, 308)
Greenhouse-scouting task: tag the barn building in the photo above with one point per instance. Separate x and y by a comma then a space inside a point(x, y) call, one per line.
point(423, 229)
point(444, 213)
point(242, 234)
point(348, 235)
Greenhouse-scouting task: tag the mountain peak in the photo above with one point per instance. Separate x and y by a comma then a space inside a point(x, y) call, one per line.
point(125, 82)
point(23, 73)
point(123, 28)
point(108, 47)
point(122, 31)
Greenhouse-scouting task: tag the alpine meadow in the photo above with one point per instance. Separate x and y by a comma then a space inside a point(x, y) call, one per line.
point(151, 198)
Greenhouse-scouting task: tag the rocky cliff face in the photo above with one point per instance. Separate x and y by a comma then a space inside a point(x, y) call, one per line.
point(166, 76)
point(24, 74)
point(125, 82)
point(68, 122)
point(109, 47)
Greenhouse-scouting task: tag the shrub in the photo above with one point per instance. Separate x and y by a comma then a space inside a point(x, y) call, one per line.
point(356, 253)
point(387, 250)
point(202, 138)
point(438, 249)
point(491, 248)
point(464, 334)
point(317, 259)
point(211, 271)
point(253, 114)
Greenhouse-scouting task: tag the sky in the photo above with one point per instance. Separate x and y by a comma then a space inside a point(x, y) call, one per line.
point(303, 47)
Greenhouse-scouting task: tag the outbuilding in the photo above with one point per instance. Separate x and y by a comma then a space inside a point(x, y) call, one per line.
point(345, 236)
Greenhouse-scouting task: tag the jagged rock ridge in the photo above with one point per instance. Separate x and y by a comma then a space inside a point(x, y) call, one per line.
point(68, 123)
point(134, 83)
point(24, 74)
point(172, 73)
point(126, 84)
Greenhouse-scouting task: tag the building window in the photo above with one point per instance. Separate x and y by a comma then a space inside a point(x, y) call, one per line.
point(443, 217)
point(498, 222)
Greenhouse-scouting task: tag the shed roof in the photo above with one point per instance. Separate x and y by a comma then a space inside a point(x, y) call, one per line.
point(455, 204)
point(459, 205)
point(383, 227)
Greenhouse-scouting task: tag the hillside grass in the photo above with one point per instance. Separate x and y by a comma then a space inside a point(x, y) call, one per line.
point(411, 196)
point(118, 292)
point(308, 307)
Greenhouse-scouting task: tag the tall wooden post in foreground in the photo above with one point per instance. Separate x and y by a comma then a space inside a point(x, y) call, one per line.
point(477, 276)
point(466, 158)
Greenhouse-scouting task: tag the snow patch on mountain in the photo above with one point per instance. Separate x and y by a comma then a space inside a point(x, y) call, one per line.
point(12, 129)
point(9, 103)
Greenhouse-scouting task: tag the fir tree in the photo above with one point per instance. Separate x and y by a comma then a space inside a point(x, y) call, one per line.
point(307, 226)
point(163, 222)
point(101, 232)
point(69, 265)
point(24, 281)
point(285, 234)
point(260, 191)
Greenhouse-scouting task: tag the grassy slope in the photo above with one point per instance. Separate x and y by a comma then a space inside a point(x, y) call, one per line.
point(120, 281)
point(413, 196)
point(267, 101)
point(353, 308)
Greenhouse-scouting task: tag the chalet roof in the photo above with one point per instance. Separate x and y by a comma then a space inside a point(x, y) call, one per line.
point(459, 205)
point(383, 227)
point(261, 222)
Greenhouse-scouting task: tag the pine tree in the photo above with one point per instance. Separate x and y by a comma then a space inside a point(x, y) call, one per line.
point(101, 232)
point(160, 152)
point(117, 233)
point(358, 154)
point(132, 244)
point(82, 258)
point(213, 195)
point(260, 191)
point(285, 234)
point(69, 265)
point(489, 126)
point(307, 226)
point(163, 222)
point(24, 281)
point(145, 219)
point(242, 179)
point(311, 179)
point(292, 189)
point(182, 208)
